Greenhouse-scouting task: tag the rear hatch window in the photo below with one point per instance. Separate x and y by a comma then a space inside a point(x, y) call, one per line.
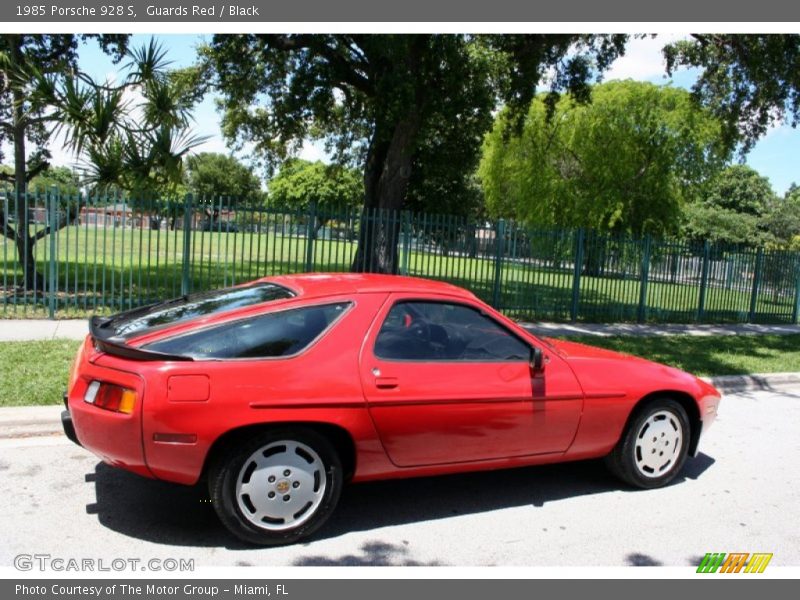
point(144, 320)
point(273, 335)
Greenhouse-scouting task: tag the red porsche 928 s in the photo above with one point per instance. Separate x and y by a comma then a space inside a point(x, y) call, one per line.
point(280, 390)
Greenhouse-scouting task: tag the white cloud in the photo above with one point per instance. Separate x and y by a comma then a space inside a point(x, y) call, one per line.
point(314, 151)
point(643, 59)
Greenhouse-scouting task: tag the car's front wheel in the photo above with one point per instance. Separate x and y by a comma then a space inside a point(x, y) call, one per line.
point(654, 445)
point(277, 486)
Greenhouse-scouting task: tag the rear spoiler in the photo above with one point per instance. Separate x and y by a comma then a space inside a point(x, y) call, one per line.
point(117, 346)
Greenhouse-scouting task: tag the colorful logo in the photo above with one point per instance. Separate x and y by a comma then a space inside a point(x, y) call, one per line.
point(735, 562)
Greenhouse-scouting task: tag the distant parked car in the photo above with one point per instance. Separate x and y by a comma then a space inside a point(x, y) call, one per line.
point(280, 390)
point(220, 226)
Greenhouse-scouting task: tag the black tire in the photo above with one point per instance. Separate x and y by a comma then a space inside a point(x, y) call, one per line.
point(239, 513)
point(627, 460)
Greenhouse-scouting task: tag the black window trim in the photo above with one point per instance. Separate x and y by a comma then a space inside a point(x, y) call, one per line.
point(449, 361)
point(283, 308)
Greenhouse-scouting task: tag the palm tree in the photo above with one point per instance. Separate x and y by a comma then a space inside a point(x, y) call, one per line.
point(131, 136)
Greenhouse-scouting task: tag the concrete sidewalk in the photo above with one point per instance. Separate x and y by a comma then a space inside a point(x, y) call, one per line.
point(17, 330)
point(76, 329)
point(636, 329)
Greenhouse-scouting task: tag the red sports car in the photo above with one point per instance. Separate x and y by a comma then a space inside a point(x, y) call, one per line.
point(280, 390)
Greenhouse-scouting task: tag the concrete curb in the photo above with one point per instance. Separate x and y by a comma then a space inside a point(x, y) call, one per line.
point(30, 421)
point(45, 421)
point(755, 382)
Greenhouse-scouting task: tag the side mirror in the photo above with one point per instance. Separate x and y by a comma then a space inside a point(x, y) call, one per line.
point(537, 360)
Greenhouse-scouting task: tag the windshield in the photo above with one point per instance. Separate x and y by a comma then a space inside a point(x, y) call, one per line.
point(144, 320)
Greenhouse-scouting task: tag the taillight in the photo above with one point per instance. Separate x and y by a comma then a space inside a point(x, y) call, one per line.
point(110, 397)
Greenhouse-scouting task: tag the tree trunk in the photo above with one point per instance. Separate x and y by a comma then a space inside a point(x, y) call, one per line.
point(386, 177)
point(24, 241)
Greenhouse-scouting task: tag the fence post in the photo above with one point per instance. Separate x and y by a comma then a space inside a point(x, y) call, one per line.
point(406, 242)
point(187, 245)
point(311, 231)
point(645, 274)
point(796, 311)
point(52, 285)
point(500, 238)
point(576, 274)
point(756, 283)
point(701, 308)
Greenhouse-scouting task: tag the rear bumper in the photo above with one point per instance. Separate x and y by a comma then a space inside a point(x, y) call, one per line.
point(69, 427)
point(116, 438)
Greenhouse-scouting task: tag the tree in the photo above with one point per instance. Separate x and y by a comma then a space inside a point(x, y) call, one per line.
point(66, 180)
point(751, 82)
point(133, 137)
point(721, 225)
point(732, 208)
point(301, 183)
point(741, 189)
point(211, 176)
point(214, 179)
point(378, 100)
point(783, 219)
point(327, 190)
point(30, 65)
point(63, 179)
point(627, 162)
point(138, 146)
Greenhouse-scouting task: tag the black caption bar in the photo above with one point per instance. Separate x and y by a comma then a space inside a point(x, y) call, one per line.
point(399, 11)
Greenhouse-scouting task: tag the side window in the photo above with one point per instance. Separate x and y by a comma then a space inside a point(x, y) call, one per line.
point(449, 332)
point(275, 334)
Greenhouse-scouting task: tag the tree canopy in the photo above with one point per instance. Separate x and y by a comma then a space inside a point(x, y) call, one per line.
point(379, 102)
point(732, 208)
point(751, 82)
point(66, 181)
point(135, 135)
point(211, 176)
point(410, 110)
point(626, 162)
point(300, 183)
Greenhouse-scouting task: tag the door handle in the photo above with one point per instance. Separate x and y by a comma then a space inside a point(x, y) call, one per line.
point(386, 383)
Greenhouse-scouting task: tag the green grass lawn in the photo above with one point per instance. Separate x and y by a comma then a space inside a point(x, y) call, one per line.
point(35, 373)
point(712, 355)
point(106, 270)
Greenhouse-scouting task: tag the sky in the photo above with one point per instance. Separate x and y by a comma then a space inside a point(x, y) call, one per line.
point(774, 156)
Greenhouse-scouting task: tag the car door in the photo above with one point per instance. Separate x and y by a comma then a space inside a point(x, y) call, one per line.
point(446, 382)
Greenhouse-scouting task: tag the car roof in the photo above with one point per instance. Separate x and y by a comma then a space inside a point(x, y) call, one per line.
point(329, 284)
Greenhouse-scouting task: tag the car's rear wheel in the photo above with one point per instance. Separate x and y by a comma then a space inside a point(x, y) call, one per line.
point(277, 486)
point(654, 445)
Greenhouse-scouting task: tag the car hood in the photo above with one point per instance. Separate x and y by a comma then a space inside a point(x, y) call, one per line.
point(607, 371)
point(571, 350)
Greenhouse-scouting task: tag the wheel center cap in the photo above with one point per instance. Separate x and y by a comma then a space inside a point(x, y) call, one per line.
point(283, 486)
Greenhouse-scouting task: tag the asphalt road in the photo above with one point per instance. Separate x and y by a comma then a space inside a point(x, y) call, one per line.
point(742, 493)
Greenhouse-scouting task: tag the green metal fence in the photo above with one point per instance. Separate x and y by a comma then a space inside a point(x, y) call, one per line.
point(105, 254)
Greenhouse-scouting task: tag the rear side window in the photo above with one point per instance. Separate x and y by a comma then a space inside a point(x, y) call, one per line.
point(276, 334)
point(149, 318)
